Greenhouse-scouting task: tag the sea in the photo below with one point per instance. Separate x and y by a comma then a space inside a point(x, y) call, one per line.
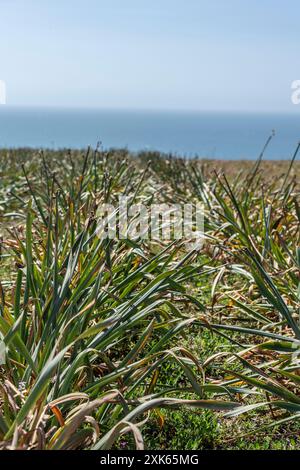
point(217, 135)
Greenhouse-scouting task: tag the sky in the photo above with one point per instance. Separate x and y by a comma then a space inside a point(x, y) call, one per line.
point(232, 55)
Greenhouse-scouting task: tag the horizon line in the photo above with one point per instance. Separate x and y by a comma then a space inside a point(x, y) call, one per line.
point(147, 109)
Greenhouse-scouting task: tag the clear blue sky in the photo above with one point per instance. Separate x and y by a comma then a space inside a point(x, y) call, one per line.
point(167, 54)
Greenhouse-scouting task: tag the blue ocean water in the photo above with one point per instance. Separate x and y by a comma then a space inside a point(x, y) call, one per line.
point(205, 134)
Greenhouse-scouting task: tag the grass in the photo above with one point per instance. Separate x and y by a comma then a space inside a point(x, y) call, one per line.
point(131, 343)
